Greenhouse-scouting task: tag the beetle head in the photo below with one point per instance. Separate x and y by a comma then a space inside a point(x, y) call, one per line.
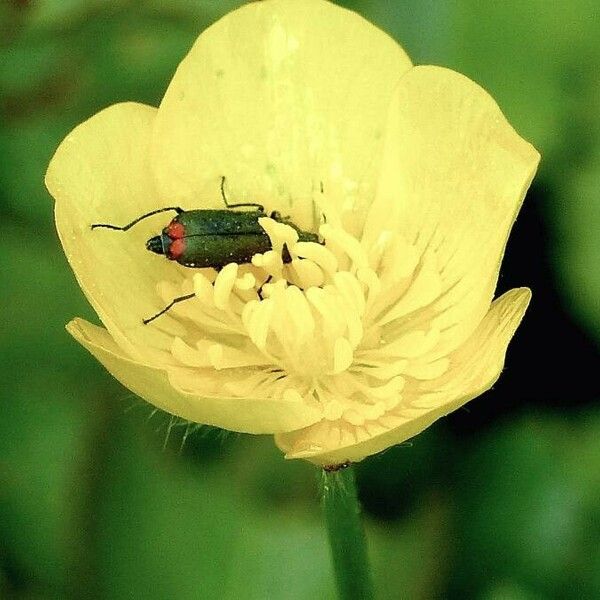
point(159, 244)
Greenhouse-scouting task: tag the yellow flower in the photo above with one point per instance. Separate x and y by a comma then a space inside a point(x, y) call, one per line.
point(412, 177)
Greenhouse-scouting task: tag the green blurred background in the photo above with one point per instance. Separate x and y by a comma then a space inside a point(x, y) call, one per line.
point(101, 498)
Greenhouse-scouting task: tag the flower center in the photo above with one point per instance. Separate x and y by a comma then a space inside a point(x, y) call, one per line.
point(345, 327)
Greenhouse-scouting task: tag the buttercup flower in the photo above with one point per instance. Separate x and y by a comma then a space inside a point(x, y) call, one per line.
point(412, 178)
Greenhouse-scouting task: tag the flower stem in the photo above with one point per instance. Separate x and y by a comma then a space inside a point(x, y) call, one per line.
point(346, 534)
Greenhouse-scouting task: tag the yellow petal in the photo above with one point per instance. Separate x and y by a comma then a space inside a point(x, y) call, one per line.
point(474, 369)
point(100, 174)
point(278, 96)
point(247, 415)
point(454, 174)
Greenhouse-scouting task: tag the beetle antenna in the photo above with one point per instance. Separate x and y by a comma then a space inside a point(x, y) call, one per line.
point(168, 307)
point(177, 209)
point(259, 207)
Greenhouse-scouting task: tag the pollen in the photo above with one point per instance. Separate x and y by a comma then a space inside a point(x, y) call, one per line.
point(337, 326)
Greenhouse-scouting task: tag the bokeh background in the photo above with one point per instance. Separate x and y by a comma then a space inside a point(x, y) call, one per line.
point(102, 498)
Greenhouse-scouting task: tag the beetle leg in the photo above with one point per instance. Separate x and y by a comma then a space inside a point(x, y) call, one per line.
point(166, 308)
point(259, 290)
point(258, 207)
point(129, 225)
point(286, 257)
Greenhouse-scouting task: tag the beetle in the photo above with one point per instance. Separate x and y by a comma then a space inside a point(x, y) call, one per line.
point(202, 238)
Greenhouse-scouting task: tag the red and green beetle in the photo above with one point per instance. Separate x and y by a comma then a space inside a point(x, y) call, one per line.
point(202, 238)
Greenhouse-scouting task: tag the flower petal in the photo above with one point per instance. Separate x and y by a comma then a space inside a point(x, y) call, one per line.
point(278, 97)
point(246, 415)
point(454, 174)
point(100, 173)
point(474, 369)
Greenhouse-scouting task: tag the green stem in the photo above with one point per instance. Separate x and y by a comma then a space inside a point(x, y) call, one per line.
point(346, 534)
